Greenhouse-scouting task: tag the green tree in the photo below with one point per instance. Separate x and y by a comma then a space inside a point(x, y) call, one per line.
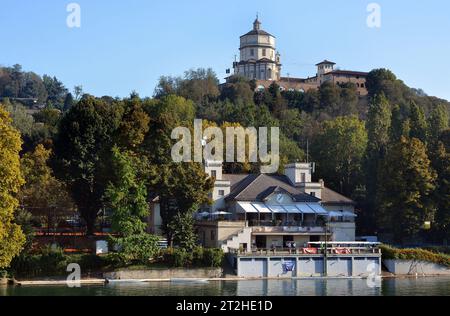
point(182, 189)
point(199, 85)
point(56, 91)
point(437, 123)
point(400, 125)
point(135, 124)
point(182, 227)
point(408, 181)
point(378, 125)
point(68, 102)
point(126, 195)
point(165, 114)
point(441, 196)
point(82, 152)
point(237, 89)
point(384, 81)
point(12, 238)
point(339, 151)
point(330, 98)
point(418, 123)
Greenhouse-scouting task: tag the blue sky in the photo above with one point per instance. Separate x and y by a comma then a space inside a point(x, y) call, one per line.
point(126, 45)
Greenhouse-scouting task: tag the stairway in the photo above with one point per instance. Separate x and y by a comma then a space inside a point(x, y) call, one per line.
point(234, 242)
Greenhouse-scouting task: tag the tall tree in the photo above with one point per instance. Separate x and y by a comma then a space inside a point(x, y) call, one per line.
point(378, 125)
point(12, 238)
point(408, 182)
point(82, 151)
point(56, 91)
point(182, 189)
point(419, 127)
point(68, 102)
point(437, 123)
point(400, 125)
point(339, 151)
point(42, 191)
point(126, 195)
point(441, 163)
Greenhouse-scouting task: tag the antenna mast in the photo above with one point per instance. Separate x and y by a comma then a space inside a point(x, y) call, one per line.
point(307, 151)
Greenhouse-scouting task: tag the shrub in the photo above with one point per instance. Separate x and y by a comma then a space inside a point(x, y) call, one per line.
point(3, 274)
point(140, 249)
point(182, 258)
point(49, 261)
point(198, 256)
point(213, 257)
point(415, 254)
point(90, 262)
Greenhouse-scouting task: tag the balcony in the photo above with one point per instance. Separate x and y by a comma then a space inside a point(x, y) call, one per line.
point(289, 229)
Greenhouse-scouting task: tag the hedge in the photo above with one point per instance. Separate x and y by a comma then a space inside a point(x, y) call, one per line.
point(415, 254)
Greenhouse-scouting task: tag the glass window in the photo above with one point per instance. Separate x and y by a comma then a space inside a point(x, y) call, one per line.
point(264, 52)
point(214, 174)
point(221, 193)
point(252, 52)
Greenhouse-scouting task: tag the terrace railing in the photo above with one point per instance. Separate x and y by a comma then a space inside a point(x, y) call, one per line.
point(278, 251)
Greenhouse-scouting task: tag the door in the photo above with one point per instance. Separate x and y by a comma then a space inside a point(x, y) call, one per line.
point(261, 242)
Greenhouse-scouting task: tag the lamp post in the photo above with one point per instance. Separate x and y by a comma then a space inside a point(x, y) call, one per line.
point(325, 267)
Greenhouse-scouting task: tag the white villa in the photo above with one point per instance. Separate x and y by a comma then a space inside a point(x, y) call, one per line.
point(260, 211)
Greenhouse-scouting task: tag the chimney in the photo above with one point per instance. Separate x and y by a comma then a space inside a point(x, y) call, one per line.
point(214, 169)
point(299, 173)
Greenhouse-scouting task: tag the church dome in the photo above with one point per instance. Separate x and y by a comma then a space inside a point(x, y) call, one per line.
point(257, 29)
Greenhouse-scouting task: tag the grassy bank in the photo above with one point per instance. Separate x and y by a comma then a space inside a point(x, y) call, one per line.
point(415, 254)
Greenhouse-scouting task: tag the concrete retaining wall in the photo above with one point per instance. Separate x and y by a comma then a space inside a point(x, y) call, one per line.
point(163, 274)
point(309, 266)
point(411, 267)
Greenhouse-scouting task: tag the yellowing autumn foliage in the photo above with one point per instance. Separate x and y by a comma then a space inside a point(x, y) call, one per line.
point(12, 238)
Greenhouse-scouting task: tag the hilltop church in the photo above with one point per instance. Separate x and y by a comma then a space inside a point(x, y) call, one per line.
point(260, 61)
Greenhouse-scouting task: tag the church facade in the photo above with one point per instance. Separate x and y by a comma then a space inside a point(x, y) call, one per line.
point(260, 61)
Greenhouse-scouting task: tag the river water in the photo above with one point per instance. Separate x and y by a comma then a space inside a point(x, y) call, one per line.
point(315, 287)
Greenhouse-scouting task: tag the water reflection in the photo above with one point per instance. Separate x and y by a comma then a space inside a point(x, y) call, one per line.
point(314, 287)
point(307, 287)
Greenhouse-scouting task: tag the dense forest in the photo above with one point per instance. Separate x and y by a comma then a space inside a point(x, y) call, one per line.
point(389, 151)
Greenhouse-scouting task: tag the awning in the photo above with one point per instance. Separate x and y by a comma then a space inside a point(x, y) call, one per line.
point(246, 208)
point(317, 208)
point(305, 209)
point(292, 209)
point(277, 209)
point(350, 214)
point(261, 208)
point(335, 214)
